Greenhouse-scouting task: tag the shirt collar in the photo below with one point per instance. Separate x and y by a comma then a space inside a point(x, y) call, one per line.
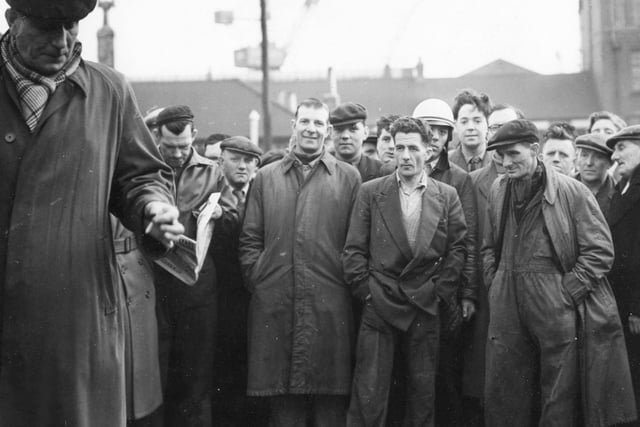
point(422, 183)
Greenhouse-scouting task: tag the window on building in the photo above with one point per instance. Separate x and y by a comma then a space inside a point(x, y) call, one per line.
point(635, 71)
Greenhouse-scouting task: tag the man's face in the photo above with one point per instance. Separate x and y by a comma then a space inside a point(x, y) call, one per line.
point(238, 168)
point(627, 154)
point(471, 127)
point(175, 149)
point(604, 127)
point(519, 159)
point(386, 146)
point(497, 119)
point(592, 165)
point(348, 139)
point(369, 150)
point(43, 46)
point(439, 138)
point(310, 129)
point(559, 154)
point(411, 154)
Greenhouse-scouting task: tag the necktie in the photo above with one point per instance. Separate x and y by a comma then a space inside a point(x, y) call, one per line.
point(240, 199)
point(474, 163)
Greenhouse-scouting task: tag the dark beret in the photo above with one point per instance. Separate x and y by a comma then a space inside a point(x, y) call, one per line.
point(242, 145)
point(56, 10)
point(513, 132)
point(595, 142)
point(348, 113)
point(630, 133)
point(174, 113)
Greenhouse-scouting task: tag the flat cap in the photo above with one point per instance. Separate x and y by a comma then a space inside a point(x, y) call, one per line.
point(595, 142)
point(174, 113)
point(513, 132)
point(54, 10)
point(630, 133)
point(348, 113)
point(242, 145)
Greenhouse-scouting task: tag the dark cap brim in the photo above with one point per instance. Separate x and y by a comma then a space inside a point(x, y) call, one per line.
point(595, 147)
point(347, 122)
point(499, 144)
point(611, 142)
point(248, 153)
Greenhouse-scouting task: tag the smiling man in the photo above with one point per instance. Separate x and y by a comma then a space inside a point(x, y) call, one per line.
point(348, 132)
point(300, 317)
point(546, 251)
point(404, 254)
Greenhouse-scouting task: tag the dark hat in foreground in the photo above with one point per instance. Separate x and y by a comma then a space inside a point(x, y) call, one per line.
point(54, 10)
point(630, 133)
point(595, 142)
point(242, 145)
point(348, 113)
point(174, 113)
point(513, 132)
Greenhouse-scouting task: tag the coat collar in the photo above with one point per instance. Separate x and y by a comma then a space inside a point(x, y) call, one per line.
point(388, 201)
point(623, 203)
point(325, 159)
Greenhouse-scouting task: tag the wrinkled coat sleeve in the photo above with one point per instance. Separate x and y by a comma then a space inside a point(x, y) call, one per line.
point(355, 257)
point(488, 254)
point(140, 176)
point(454, 261)
point(252, 234)
point(469, 203)
point(594, 245)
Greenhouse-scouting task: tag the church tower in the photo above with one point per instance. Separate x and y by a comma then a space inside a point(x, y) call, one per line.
point(611, 51)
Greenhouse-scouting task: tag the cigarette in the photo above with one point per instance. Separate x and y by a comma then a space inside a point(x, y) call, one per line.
point(149, 227)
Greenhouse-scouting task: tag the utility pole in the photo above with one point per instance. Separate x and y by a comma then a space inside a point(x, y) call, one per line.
point(266, 114)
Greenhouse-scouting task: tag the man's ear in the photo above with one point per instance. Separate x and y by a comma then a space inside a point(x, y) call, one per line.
point(366, 131)
point(535, 148)
point(194, 132)
point(11, 16)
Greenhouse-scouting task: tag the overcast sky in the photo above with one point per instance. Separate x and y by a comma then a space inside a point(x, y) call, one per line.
point(169, 39)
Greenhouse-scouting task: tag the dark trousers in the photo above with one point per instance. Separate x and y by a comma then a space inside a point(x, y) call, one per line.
point(377, 342)
point(187, 336)
point(307, 410)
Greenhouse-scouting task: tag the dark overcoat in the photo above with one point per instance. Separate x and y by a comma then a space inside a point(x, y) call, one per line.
point(62, 330)
point(301, 333)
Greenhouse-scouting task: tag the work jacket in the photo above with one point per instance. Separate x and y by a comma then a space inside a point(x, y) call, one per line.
point(583, 245)
point(62, 331)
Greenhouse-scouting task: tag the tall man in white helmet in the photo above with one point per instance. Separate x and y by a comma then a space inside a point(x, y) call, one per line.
point(438, 116)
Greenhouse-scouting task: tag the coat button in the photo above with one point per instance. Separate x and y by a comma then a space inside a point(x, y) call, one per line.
point(10, 137)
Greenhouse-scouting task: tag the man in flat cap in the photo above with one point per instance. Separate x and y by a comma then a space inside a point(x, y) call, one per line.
point(623, 218)
point(187, 314)
point(349, 131)
point(555, 350)
point(300, 319)
point(239, 162)
point(593, 162)
point(74, 148)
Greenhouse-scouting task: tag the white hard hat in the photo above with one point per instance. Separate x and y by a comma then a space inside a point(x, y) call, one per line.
point(435, 112)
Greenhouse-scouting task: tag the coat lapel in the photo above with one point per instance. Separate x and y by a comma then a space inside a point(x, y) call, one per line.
point(430, 216)
point(486, 180)
point(388, 201)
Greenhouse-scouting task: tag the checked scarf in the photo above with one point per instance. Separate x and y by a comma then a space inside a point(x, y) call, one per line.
point(34, 89)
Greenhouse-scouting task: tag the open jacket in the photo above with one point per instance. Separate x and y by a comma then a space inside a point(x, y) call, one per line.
point(377, 258)
point(582, 242)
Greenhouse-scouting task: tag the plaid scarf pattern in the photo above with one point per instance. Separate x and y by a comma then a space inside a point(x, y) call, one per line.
point(34, 89)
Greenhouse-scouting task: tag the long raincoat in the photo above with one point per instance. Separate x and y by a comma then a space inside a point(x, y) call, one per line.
point(301, 333)
point(62, 321)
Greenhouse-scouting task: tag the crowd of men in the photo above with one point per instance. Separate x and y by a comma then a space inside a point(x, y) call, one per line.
point(350, 280)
